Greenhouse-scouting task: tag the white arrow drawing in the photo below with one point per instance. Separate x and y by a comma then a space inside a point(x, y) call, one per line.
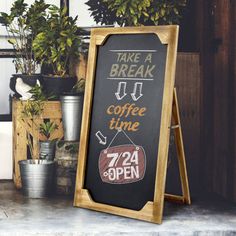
point(137, 92)
point(102, 139)
point(120, 94)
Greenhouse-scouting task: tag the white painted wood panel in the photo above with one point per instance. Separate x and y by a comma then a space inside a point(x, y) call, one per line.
point(6, 150)
point(6, 70)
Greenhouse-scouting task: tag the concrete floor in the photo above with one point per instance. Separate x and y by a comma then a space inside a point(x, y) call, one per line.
point(56, 216)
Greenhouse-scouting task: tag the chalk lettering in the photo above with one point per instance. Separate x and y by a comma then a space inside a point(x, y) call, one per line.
point(128, 57)
point(148, 58)
point(130, 71)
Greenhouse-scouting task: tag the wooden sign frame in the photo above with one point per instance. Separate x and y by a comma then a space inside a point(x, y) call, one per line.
point(153, 210)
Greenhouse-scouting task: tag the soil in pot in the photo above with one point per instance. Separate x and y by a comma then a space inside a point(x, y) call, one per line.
point(56, 86)
point(37, 177)
point(28, 79)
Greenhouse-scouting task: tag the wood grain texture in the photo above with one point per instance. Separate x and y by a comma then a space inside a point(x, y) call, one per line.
point(164, 33)
point(19, 144)
point(232, 66)
point(180, 150)
point(167, 103)
point(218, 97)
point(81, 67)
point(187, 85)
point(220, 106)
point(152, 211)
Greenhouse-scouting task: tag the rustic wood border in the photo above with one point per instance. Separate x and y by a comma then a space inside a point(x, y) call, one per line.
point(153, 210)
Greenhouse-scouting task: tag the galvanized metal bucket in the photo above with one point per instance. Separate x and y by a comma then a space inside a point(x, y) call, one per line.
point(71, 116)
point(47, 150)
point(37, 177)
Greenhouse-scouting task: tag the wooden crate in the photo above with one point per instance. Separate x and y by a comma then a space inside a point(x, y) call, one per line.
point(52, 111)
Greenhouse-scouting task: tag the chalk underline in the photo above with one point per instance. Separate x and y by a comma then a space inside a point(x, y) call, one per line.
point(127, 50)
point(127, 78)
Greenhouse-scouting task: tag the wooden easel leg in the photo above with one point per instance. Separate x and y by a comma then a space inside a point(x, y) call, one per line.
point(181, 155)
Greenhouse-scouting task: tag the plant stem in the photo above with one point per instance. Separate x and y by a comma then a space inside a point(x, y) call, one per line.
point(29, 142)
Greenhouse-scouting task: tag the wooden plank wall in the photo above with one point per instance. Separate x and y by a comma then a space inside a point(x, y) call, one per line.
point(233, 96)
point(188, 92)
point(221, 107)
point(218, 54)
point(206, 92)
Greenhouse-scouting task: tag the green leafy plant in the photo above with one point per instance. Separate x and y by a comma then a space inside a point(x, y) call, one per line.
point(137, 12)
point(101, 13)
point(58, 42)
point(47, 128)
point(32, 110)
point(23, 24)
point(79, 86)
point(33, 107)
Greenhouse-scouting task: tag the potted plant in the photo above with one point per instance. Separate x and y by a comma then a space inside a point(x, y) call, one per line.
point(72, 105)
point(55, 46)
point(23, 23)
point(47, 146)
point(37, 175)
point(136, 12)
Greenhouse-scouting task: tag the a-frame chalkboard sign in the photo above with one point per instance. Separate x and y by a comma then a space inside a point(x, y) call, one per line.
point(130, 105)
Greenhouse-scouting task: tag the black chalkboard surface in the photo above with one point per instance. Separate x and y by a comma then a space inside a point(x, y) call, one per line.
point(129, 103)
point(126, 113)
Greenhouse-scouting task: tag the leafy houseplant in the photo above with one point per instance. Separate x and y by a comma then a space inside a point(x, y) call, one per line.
point(32, 110)
point(23, 23)
point(55, 46)
point(47, 128)
point(136, 12)
point(36, 175)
